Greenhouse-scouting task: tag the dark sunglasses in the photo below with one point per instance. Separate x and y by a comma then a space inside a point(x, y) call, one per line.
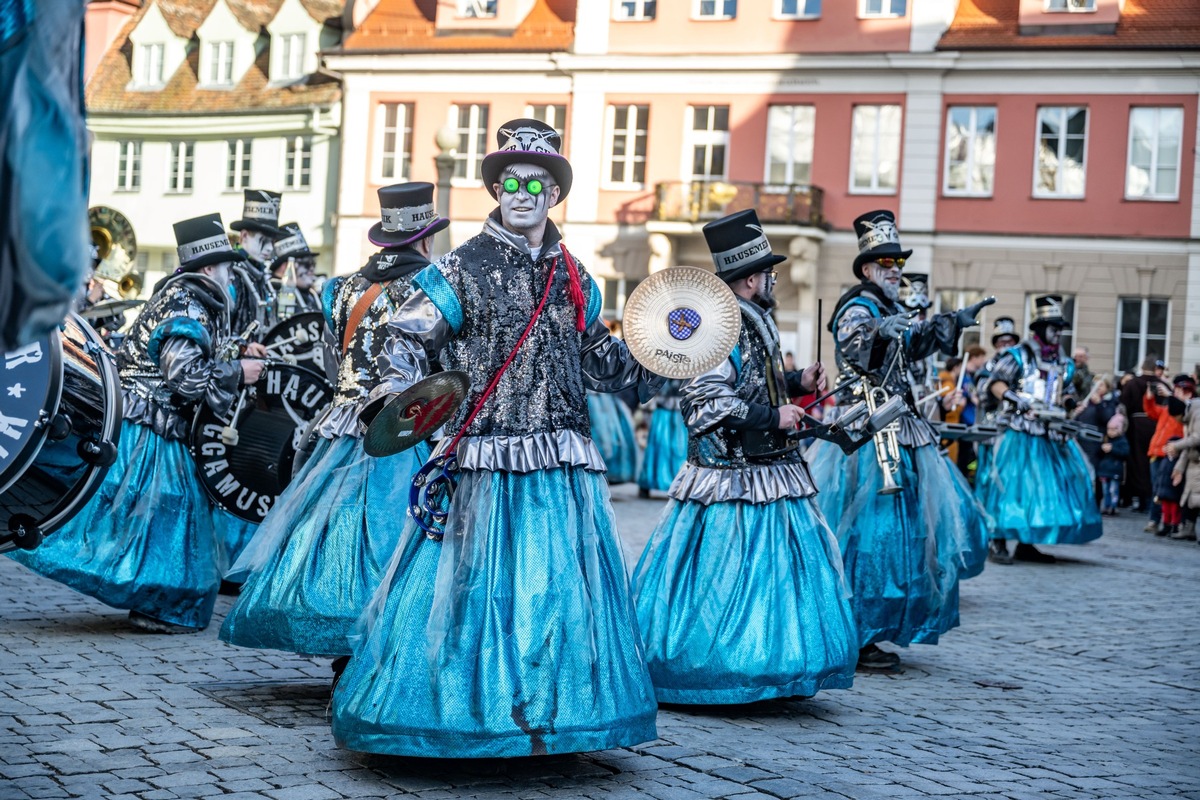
point(533, 186)
point(888, 263)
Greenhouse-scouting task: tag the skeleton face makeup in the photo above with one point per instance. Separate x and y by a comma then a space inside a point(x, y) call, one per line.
point(257, 246)
point(764, 292)
point(526, 207)
point(219, 273)
point(886, 278)
point(1051, 334)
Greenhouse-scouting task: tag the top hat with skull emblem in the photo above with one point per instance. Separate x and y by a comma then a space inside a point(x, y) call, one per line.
point(877, 238)
point(260, 212)
point(1048, 310)
point(527, 141)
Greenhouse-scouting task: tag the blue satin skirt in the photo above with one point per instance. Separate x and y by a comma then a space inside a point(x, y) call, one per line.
point(612, 432)
point(145, 540)
point(1038, 491)
point(515, 636)
point(322, 550)
point(233, 534)
point(666, 450)
point(740, 602)
point(904, 553)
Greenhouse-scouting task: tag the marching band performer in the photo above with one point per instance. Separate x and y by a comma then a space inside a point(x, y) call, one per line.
point(293, 273)
point(145, 541)
point(739, 592)
point(666, 442)
point(1035, 483)
point(516, 634)
point(322, 550)
point(906, 520)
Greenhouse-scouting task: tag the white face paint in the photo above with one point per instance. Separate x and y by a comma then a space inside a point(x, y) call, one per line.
point(521, 211)
point(1052, 334)
point(219, 273)
point(886, 278)
point(306, 273)
point(764, 293)
point(257, 246)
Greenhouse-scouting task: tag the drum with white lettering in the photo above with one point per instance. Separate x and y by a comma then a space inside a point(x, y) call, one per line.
point(245, 458)
point(300, 339)
point(60, 417)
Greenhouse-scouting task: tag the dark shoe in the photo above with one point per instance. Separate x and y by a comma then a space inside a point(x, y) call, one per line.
point(1162, 530)
point(998, 552)
point(872, 657)
point(230, 589)
point(643, 494)
point(147, 623)
point(1027, 552)
point(339, 666)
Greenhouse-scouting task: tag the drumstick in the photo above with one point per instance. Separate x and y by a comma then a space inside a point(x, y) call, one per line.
point(962, 371)
point(820, 316)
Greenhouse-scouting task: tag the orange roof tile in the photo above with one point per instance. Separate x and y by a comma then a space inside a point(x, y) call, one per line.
point(1144, 25)
point(408, 26)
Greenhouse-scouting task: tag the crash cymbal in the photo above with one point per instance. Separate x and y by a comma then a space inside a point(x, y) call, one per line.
point(411, 417)
point(109, 308)
point(682, 322)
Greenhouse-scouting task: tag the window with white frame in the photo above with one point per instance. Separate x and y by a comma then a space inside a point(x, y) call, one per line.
point(129, 166)
point(627, 144)
point(1142, 325)
point(636, 9)
point(714, 9)
point(970, 150)
point(298, 162)
point(708, 142)
point(948, 300)
point(553, 115)
point(797, 9)
point(1061, 146)
point(1070, 5)
point(882, 8)
point(789, 144)
point(393, 141)
point(875, 149)
point(150, 59)
point(179, 172)
point(471, 123)
point(1152, 171)
point(289, 62)
point(477, 9)
point(220, 63)
point(237, 164)
point(1067, 338)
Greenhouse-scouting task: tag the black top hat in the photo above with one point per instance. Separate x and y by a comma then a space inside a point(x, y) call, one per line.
point(1004, 326)
point(290, 244)
point(917, 295)
point(260, 212)
point(877, 238)
point(738, 246)
point(408, 215)
point(1048, 310)
point(202, 241)
point(527, 141)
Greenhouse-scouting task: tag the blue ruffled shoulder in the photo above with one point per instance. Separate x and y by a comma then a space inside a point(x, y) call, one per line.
point(595, 301)
point(184, 327)
point(439, 291)
point(327, 294)
point(736, 358)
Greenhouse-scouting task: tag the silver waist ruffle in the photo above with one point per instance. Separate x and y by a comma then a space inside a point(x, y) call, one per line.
point(341, 421)
point(765, 484)
point(528, 452)
point(167, 424)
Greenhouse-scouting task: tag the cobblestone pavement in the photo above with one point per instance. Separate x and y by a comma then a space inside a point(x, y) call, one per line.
point(1077, 680)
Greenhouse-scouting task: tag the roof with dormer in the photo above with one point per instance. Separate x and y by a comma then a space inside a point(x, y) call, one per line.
point(400, 26)
point(108, 91)
point(1143, 25)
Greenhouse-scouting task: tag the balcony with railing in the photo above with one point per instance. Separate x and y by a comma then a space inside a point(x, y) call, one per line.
point(695, 201)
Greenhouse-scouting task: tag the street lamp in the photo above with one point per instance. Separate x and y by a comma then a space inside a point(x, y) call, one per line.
point(447, 142)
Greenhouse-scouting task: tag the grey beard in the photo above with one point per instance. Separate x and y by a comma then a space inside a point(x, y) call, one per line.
point(766, 299)
point(890, 292)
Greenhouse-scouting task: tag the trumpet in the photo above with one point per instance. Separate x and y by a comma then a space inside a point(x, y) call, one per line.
point(887, 443)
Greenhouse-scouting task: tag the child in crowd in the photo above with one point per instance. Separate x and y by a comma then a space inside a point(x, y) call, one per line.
point(1110, 469)
point(1167, 491)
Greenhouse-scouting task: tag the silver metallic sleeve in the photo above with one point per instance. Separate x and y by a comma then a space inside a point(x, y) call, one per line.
point(710, 398)
point(416, 332)
point(189, 374)
point(858, 341)
point(608, 365)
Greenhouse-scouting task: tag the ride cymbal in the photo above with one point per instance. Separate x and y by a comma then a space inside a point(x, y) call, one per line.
point(415, 414)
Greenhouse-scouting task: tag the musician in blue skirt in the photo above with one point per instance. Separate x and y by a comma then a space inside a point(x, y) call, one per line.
point(739, 591)
point(145, 541)
point(515, 635)
point(666, 443)
point(1035, 482)
point(613, 434)
point(907, 523)
point(322, 550)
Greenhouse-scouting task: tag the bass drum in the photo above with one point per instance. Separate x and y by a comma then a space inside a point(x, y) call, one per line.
point(245, 459)
point(60, 419)
point(300, 339)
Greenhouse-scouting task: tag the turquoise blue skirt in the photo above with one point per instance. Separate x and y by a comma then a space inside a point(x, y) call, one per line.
point(233, 534)
point(904, 553)
point(322, 550)
point(515, 636)
point(740, 602)
point(612, 432)
point(666, 450)
point(145, 540)
point(1038, 491)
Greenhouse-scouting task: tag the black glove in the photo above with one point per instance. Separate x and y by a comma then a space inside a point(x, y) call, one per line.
point(966, 317)
point(1070, 404)
point(1022, 404)
point(893, 327)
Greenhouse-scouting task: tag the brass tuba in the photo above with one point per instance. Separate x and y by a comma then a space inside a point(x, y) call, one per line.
point(887, 443)
point(116, 246)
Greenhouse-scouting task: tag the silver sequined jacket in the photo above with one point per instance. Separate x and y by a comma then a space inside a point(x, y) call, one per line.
point(358, 371)
point(475, 303)
point(253, 299)
point(862, 351)
point(1026, 372)
point(168, 362)
point(731, 424)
